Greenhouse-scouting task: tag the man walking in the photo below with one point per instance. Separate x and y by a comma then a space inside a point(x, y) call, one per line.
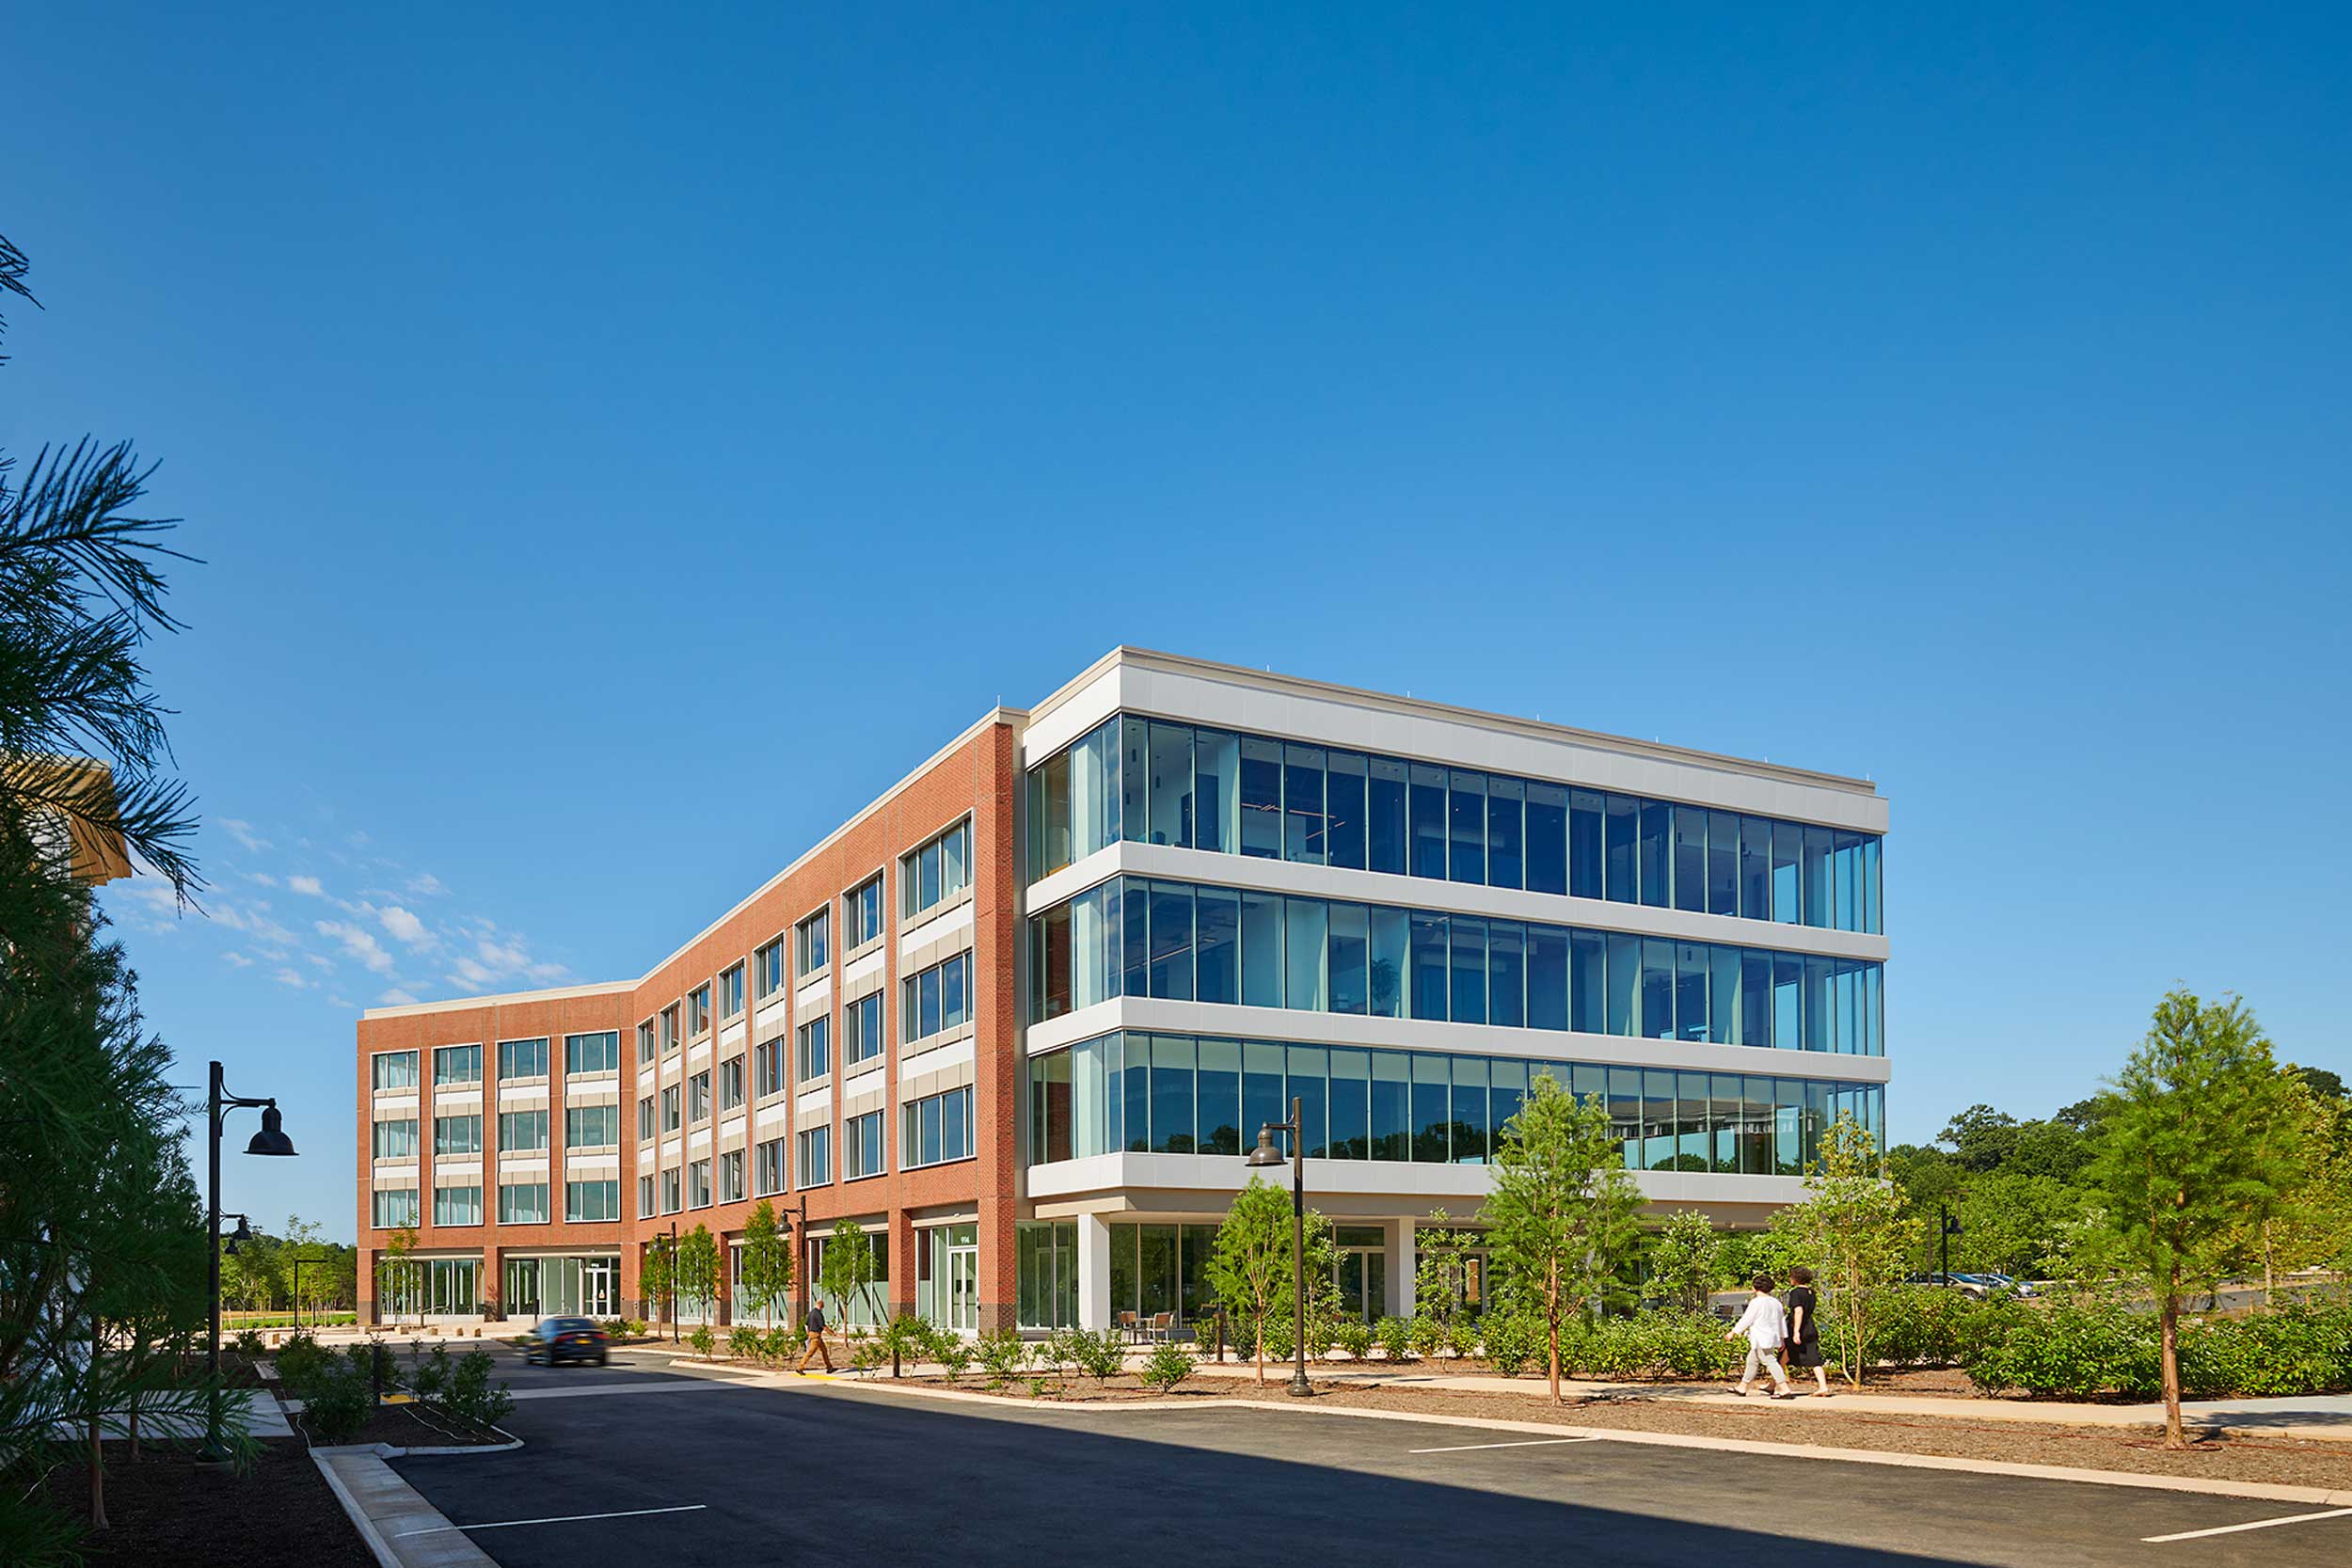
point(815, 1323)
point(1767, 1328)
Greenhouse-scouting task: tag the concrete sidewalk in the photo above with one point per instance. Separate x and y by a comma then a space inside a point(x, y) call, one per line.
point(2324, 1416)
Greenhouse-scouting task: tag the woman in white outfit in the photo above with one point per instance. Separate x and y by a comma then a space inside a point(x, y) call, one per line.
point(1766, 1326)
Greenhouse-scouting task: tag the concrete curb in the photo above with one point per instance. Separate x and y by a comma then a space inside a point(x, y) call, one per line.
point(2270, 1491)
point(357, 1515)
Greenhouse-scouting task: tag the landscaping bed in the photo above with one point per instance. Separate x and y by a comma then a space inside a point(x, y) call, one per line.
point(2134, 1449)
point(164, 1510)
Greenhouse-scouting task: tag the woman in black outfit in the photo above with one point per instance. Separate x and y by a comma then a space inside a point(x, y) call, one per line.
point(1805, 1333)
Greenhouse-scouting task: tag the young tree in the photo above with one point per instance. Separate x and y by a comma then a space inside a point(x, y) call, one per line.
point(1443, 1257)
point(397, 1271)
point(657, 1279)
point(1856, 1230)
point(1249, 1267)
point(767, 1262)
point(1683, 1258)
point(848, 1268)
point(2185, 1159)
point(1560, 1216)
point(698, 1268)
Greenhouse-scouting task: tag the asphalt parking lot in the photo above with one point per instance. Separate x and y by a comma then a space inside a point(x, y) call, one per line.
point(643, 1470)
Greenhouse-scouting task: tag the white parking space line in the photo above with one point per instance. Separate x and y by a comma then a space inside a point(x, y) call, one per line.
point(2257, 1524)
point(559, 1519)
point(1528, 1442)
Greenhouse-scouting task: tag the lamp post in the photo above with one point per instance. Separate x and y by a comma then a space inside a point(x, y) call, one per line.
point(1265, 1154)
point(674, 1282)
point(798, 1209)
point(271, 1140)
point(1948, 1226)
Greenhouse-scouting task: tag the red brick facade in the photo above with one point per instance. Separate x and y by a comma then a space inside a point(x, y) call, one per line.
point(977, 777)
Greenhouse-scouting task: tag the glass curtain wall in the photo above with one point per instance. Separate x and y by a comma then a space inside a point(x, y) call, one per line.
point(1132, 936)
point(1144, 1093)
point(1154, 782)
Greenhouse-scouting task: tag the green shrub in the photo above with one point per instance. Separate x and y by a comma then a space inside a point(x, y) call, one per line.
point(338, 1401)
point(1322, 1331)
point(1355, 1336)
point(743, 1344)
point(468, 1394)
point(1281, 1336)
point(1003, 1353)
point(248, 1342)
point(1395, 1336)
point(1461, 1338)
point(1426, 1335)
point(1515, 1342)
point(954, 1353)
point(1167, 1365)
point(1102, 1356)
point(702, 1341)
point(2078, 1349)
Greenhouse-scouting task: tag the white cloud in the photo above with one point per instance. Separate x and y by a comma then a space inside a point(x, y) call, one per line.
point(243, 833)
point(307, 885)
point(405, 928)
point(394, 998)
point(236, 960)
point(427, 885)
point(358, 943)
point(292, 979)
point(261, 877)
point(316, 961)
point(345, 1002)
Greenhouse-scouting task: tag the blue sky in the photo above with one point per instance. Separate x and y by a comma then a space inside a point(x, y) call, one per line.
point(620, 444)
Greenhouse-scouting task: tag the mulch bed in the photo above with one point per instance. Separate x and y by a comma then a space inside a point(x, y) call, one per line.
point(403, 1426)
point(164, 1510)
point(2134, 1449)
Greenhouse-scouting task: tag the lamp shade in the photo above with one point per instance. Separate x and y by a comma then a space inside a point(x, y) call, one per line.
point(1265, 1153)
point(272, 1138)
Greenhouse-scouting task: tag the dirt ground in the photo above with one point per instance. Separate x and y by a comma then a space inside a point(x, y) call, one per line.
point(164, 1510)
point(2135, 1450)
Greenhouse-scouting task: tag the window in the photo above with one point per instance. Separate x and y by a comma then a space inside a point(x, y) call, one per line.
point(1158, 783)
point(645, 1043)
point(457, 1135)
point(730, 1082)
point(862, 1145)
point(813, 1157)
point(862, 913)
point(644, 1119)
point(770, 961)
point(698, 1097)
point(456, 1063)
point(522, 1131)
point(522, 1059)
point(395, 1209)
point(940, 998)
point(862, 1030)
point(1176, 1093)
point(731, 993)
point(698, 1184)
point(936, 1128)
point(1132, 936)
point(394, 1069)
point(592, 1200)
point(669, 1030)
point(393, 1140)
point(670, 1193)
point(592, 1127)
point(767, 1167)
point(587, 1054)
point(457, 1205)
point(937, 872)
point(813, 940)
point(731, 1176)
point(698, 1010)
point(768, 1067)
point(522, 1203)
point(814, 1049)
point(670, 1117)
point(645, 1195)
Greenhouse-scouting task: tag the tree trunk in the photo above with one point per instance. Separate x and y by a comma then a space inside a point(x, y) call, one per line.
point(2169, 1321)
point(1551, 1321)
point(96, 1454)
point(2270, 1272)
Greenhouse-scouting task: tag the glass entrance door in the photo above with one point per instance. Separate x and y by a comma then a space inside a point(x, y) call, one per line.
point(1363, 1283)
point(599, 1287)
point(964, 1288)
point(522, 1288)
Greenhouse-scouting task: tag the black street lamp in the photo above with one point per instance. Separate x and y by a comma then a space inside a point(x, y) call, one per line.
point(1264, 1155)
point(674, 1282)
point(798, 1209)
point(271, 1140)
point(1947, 1227)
